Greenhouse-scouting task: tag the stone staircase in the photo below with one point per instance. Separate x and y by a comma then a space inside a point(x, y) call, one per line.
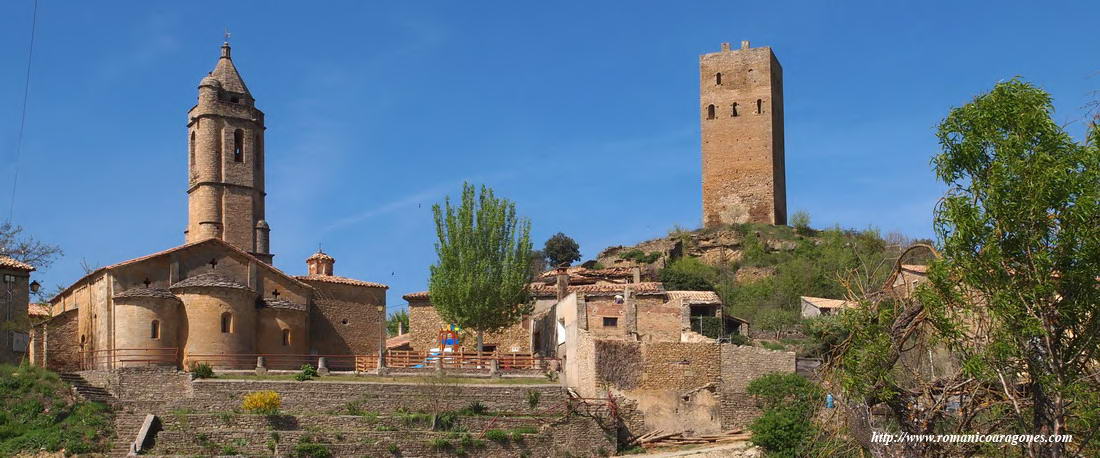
point(126, 422)
point(85, 390)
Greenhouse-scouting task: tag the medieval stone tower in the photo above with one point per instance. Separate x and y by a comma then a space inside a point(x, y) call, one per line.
point(226, 163)
point(741, 101)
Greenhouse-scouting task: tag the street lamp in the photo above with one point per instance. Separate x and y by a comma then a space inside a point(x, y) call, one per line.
point(35, 285)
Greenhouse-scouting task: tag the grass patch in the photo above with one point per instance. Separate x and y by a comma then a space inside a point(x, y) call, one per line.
point(427, 380)
point(39, 414)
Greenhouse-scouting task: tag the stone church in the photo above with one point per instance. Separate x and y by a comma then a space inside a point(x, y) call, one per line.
point(218, 293)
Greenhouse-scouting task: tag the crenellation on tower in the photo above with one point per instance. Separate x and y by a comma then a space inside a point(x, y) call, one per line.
point(225, 180)
point(741, 106)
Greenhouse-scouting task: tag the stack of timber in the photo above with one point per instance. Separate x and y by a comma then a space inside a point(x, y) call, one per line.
point(660, 438)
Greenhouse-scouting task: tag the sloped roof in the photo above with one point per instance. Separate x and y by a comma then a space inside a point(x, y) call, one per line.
point(416, 295)
point(341, 280)
point(282, 304)
point(696, 297)
point(210, 279)
point(145, 292)
point(11, 263)
point(646, 287)
point(226, 73)
point(825, 303)
point(36, 309)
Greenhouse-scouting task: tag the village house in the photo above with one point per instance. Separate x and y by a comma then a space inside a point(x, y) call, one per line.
point(15, 290)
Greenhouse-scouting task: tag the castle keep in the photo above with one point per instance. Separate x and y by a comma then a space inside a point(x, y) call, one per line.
point(218, 294)
point(741, 106)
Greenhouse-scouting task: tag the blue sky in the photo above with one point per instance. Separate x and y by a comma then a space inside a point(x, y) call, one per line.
point(584, 113)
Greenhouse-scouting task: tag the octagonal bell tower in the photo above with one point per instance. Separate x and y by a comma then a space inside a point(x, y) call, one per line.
point(225, 187)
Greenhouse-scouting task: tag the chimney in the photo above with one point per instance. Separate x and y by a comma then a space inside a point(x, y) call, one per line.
point(563, 284)
point(725, 47)
point(744, 44)
point(637, 272)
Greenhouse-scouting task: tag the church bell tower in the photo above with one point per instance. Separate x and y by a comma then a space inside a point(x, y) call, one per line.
point(225, 186)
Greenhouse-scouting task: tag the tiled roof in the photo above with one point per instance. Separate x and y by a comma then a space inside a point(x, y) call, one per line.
point(341, 280)
point(646, 287)
point(578, 272)
point(38, 309)
point(695, 297)
point(397, 341)
point(13, 264)
point(416, 295)
point(282, 304)
point(321, 256)
point(210, 279)
point(824, 303)
point(145, 292)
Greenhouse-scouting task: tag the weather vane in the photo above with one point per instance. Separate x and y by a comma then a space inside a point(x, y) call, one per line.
point(227, 34)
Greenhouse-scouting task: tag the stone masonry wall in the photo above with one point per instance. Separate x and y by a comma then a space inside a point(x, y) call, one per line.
point(741, 365)
point(425, 324)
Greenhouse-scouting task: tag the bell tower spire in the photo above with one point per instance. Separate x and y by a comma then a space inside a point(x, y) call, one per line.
point(225, 190)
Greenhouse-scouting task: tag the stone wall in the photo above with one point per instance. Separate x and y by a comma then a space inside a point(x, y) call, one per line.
point(57, 337)
point(345, 319)
point(425, 324)
point(679, 366)
point(741, 365)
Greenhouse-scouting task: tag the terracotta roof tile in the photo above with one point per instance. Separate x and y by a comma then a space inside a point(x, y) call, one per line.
point(13, 264)
point(145, 292)
point(320, 255)
point(341, 280)
point(416, 295)
point(824, 303)
point(397, 341)
point(210, 279)
point(646, 287)
point(38, 309)
point(696, 297)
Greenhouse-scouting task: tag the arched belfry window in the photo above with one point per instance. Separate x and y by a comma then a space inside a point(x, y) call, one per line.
point(718, 78)
point(710, 112)
point(733, 109)
point(238, 145)
point(154, 331)
point(759, 106)
point(227, 322)
point(286, 337)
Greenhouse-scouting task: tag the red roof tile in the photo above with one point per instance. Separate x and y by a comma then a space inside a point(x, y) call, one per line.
point(341, 280)
point(13, 264)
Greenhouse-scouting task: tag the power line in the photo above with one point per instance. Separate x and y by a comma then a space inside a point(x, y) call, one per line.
point(23, 114)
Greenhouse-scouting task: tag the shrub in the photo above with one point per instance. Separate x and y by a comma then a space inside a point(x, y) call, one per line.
point(772, 345)
point(474, 409)
point(307, 373)
point(533, 398)
point(262, 403)
point(786, 427)
point(393, 449)
point(740, 339)
point(801, 222)
point(229, 450)
point(689, 274)
point(496, 435)
point(640, 256)
point(201, 370)
point(439, 443)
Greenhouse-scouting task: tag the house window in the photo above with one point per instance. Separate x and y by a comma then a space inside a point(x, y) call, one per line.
point(710, 111)
point(227, 322)
point(154, 331)
point(238, 145)
point(610, 322)
point(286, 337)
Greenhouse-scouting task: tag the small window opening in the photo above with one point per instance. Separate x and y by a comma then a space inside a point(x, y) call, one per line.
point(286, 337)
point(488, 348)
point(710, 112)
point(718, 78)
point(610, 322)
point(227, 322)
point(154, 332)
point(759, 106)
point(235, 99)
point(192, 149)
point(344, 321)
point(733, 110)
point(238, 145)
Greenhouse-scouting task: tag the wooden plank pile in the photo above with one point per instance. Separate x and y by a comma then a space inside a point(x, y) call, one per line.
point(660, 438)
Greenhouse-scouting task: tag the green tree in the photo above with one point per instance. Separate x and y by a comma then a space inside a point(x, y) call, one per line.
point(397, 320)
point(480, 279)
point(1021, 254)
point(560, 249)
point(800, 220)
point(689, 274)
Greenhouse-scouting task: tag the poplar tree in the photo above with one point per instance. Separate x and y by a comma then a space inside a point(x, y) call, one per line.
point(480, 280)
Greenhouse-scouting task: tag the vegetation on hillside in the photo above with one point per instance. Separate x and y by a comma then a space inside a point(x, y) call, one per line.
point(40, 413)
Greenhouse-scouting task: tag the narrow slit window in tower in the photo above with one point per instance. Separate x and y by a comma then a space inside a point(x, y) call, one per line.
point(238, 145)
point(257, 152)
point(192, 149)
point(710, 112)
point(733, 109)
point(718, 78)
point(154, 331)
point(286, 337)
point(759, 106)
point(227, 322)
